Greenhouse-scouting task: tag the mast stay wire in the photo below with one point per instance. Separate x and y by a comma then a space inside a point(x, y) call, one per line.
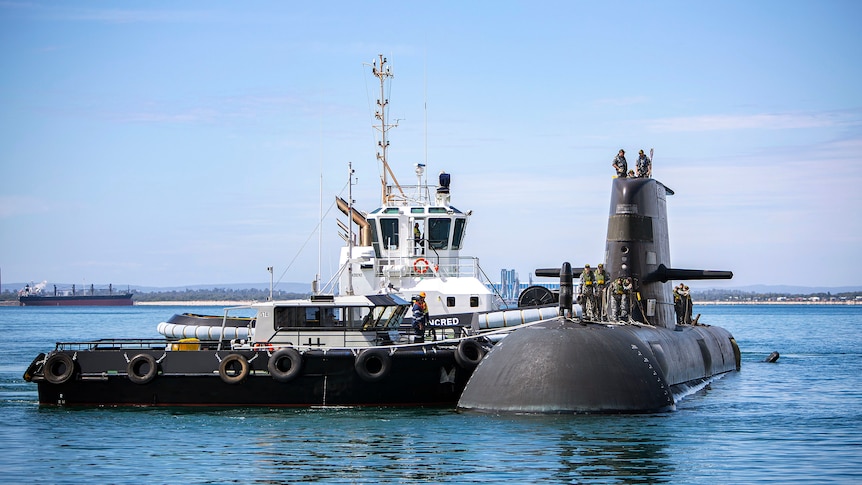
point(313, 231)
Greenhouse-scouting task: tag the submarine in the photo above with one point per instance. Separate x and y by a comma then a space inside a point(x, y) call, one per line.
point(638, 361)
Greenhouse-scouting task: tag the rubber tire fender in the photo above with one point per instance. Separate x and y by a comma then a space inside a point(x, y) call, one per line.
point(34, 367)
point(373, 365)
point(469, 353)
point(54, 373)
point(226, 366)
point(274, 364)
point(134, 368)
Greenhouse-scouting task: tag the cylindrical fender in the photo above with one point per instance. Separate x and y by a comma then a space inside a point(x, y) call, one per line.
point(233, 369)
point(285, 364)
point(142, 368)
point(373, 364)
point(59, 368)
point(469, 353)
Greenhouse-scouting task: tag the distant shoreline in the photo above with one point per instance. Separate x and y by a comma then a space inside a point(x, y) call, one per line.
point(226, 303)
point(696, 302)
point(194, 303)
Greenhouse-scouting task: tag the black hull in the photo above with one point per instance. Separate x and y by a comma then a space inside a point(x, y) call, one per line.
point(414, 377)
point(79, 300)
point(597, 368)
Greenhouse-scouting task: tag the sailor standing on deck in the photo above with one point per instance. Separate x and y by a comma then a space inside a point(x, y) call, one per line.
point(685, 293)
point(420, 317)
point(588, 300)
point(621, 291)
point(620, 164)
point(603, 280)
point(644, 165)
point(678, 303)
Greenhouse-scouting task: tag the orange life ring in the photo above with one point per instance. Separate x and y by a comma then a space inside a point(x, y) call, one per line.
point(425, 265)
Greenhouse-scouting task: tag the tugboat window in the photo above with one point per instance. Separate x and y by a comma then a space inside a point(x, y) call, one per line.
point(474, 301)
point(389, 231)
point(438, 233)
point(375, 240)
point(458, 234)
point(450, 301)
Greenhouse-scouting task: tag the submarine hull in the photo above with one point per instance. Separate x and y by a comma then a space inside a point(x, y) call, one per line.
point(565, 366)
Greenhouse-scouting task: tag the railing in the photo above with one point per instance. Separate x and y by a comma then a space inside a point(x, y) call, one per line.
point(429, 266)
point(113, 344)
point(407, 194)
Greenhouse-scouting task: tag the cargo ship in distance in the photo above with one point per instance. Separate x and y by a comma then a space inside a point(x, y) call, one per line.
point(36, 295)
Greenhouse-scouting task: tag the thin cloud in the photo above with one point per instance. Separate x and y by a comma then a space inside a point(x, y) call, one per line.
point(617, 102)
point(744, 122)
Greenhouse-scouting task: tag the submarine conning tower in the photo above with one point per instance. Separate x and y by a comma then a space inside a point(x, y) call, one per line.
point(637, 243)
point(638, 247)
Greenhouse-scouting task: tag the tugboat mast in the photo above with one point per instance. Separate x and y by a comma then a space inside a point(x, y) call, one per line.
point(382, 71)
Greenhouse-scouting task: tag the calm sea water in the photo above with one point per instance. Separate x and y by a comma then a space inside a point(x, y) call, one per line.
point(798, 420)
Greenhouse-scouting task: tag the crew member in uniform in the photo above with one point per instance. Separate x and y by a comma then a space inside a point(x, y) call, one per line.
point(686, 304)
point(417, 239)
point(677, 303)
point(644, 165)
point(420, 317)
point(620, 164)
point(602, 282)
point(588, 300)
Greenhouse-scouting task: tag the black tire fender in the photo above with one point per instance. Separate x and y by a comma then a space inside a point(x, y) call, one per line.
point(469, 353)
point(38, 362)
point(59, 368)
point(233, 369)
point(373, 364)
point(282, 372)
point(139, 362)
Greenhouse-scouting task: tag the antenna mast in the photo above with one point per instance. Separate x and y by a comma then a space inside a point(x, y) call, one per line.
point(382, 71)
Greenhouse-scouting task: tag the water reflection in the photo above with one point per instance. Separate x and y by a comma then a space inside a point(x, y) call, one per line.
point(441, 446)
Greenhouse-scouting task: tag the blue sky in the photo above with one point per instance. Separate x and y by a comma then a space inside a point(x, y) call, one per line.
point(186, 142)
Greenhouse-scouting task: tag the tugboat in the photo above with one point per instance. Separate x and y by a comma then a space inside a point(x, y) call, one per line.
point(324, 351)
point(330, 350)
point(638, 360)
point(411, 243)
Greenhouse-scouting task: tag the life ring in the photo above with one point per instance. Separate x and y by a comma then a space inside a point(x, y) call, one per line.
point(469, 353)
point(285, 364)
point(58, 368)
point(233, 369)
point(421, 265)
point(373, 364)
point(142, 362)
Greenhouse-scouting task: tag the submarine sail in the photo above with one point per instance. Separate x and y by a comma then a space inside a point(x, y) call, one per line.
point(636, 362)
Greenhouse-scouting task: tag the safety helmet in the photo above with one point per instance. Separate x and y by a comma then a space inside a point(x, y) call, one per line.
point(641, 152)
point(586, 266)
point(422, 294)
